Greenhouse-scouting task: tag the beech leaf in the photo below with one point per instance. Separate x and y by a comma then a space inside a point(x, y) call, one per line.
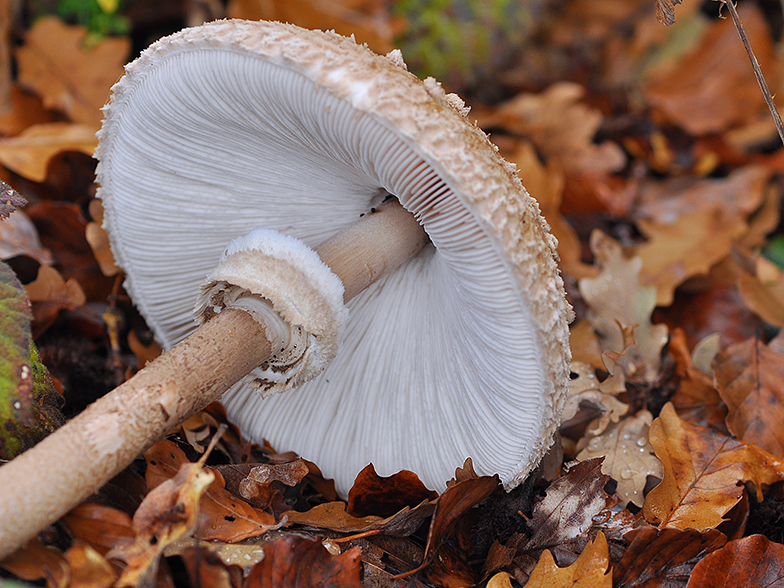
point(296, 562)
point(384, 496)
point(750, 561)
point(703, 473)
point(589, 571)
point(750, 379)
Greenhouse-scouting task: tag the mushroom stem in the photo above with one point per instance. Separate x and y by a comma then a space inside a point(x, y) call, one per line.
point(44, 483)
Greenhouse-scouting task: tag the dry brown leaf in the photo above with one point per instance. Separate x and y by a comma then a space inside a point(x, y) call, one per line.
point(18, 236)
point(585, 388)
point(750, 379)
point(50, 287)
point(372, 494)
point(367, 20)
point(88, 568)
point(585, 344)
point(617, 301)
point(703, 473)
point(242, 555)
point(500, 580)
point(168, 512)
point(561, 127)
point(35, 561)
point(663, 557)
point(101, 527)
point(26, 110)
point(69, 75)
point(224, 516)
point(713, 87)
point(697, 399)
point(98, 239)
point(751, 561)
point(589, 571)
point(28, 153)
point(665, 11)
point(628, 456)
point(763, 291)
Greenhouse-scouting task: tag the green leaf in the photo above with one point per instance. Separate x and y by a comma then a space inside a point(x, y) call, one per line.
point(29, 405)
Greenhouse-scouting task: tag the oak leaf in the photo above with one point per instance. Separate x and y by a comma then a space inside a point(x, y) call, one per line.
point(750, 378)
point(296, 562)
point(589, 571)
point(69, 75)
point(28, 154)
point(663, 557)
point(750, 561)
point(628, 456)
point(697, 399)
point(586, 389)
point(618, 302)
point(763, 290)
point(703, 473)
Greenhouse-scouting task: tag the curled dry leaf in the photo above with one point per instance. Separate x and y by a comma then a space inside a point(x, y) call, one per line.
point(750, 379)
point(88, 568)
point(170, 511)
point(384, 496)
point(223, 517)
point(296, 562)
point(628, 456)
point(751, 561)
point(589, 571)
point(617, 301)
point(28, 153)
point(703, 473)
point(663, 557)
point(585, 388)
point(254, 482)
point(70, 75)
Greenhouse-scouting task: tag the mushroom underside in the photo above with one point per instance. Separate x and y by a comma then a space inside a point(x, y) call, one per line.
point(441, 358)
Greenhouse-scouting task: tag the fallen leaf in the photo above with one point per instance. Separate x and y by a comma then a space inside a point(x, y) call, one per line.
point(231, 554)
point(372, 494)
point(617, 300)
point(50, 287)
point(223, 516)
point(28, 154)
point(751, 561)
point(26, 110)
point(713, 87)
point(10, 200)
point(88, 568)
point(18, 236)
point(663, 557)
point(206, 568)
point(69, 75)
point(586, 389)
point(665, 11)
point(628, 456)
point(98, 239)
point(564, 516)
point(561, 127)
point(589, 571)
point(296, 562)
point(168, 512)
point(763, 291)
point(35, 561)
point(703, 473)
point(697, 400)
point(258, 483)
point(102, 527)
point(750, 379)
point(500, 580)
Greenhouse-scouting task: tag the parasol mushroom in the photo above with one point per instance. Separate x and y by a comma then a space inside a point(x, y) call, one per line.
point(461, 351)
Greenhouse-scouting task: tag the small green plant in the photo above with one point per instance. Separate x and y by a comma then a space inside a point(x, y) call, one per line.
point(100, 17)
point(459, 41)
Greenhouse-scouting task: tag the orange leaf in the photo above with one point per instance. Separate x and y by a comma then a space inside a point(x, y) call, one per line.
point(750, 379)
point(70, 76)
point(751, 561)
point(372, 494)
point(703, 470)
point(589, 571)
point(28, 154)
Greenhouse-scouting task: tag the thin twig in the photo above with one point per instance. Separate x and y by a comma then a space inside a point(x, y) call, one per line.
point(755, 65)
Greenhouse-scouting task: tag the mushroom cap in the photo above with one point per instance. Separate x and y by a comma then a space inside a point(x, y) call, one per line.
point(461, 352)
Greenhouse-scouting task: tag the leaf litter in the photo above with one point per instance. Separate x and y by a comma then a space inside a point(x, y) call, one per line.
point(654, 161)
